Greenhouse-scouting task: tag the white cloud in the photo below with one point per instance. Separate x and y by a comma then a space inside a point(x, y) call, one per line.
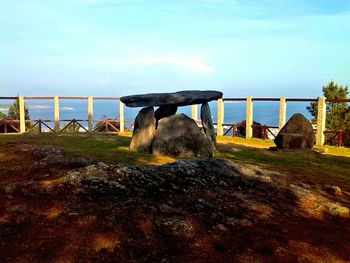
point(192, 64)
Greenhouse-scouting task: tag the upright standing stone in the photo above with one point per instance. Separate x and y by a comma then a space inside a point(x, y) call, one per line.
point(144, 128)
point(207, 123)
point(164, 111)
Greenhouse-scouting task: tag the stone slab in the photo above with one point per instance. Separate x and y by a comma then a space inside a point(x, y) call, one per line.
point(180, 98)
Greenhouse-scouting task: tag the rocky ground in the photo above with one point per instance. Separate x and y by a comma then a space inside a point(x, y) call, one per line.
point(59, 208)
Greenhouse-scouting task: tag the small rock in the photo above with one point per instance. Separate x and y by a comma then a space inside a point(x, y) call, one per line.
point(222, 228)
point(73, 214)
point(169, 209)
point(91, 170)
point(265, 179)
point(178, 227)
point(336, 209)
point(234, 221)
point(102, 165)
point(333, 189)
point(9, 188)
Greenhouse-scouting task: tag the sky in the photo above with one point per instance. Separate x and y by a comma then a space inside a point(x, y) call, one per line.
point(259, 48)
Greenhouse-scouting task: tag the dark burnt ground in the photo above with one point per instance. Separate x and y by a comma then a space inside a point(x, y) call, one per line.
point(57, 208)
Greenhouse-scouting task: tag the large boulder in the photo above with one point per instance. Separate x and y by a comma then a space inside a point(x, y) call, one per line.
point(297, 133)
point(180, 98)
point(144, 128)
point(179, 135)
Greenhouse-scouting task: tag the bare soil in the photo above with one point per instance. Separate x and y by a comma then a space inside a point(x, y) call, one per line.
point(58, 208)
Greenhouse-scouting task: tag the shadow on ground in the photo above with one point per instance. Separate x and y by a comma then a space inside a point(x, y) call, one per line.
point(66, 208)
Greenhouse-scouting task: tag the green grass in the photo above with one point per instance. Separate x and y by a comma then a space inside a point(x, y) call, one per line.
point(325, 168)
point(339, 151)
point(316, 167)
point(254, 142)
point(107, 148)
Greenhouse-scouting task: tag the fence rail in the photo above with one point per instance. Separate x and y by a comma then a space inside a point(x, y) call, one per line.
point(249, 126)
point(321, 113)
point(56, 110)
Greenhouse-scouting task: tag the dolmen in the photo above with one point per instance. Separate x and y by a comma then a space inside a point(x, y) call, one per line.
point(162, 131)
point(297, 133)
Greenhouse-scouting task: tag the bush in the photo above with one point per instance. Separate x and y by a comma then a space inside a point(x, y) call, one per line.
point(257, 131)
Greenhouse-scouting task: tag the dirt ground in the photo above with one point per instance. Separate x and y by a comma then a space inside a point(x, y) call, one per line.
point(69, 209)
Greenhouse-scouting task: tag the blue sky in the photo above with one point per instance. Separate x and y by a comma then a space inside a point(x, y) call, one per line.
point(119, 47)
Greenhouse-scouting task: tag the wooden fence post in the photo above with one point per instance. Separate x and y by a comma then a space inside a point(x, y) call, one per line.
point(220, 118)
point(321, 121)
point(90, 113)
point(249, 118)
point(121, 116)
point(22, 117)
point(56, 116)
point(194, 112)
point(282, 113)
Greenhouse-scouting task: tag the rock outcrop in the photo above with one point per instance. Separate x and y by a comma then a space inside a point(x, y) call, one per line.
point(297, 133)
point(179, 135)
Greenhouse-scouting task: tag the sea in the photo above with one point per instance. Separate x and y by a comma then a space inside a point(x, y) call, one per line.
point(264, 112)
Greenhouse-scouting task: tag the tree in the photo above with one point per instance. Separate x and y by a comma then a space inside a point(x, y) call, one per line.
point(337, 113)
point(13, 111)
point(2, 115)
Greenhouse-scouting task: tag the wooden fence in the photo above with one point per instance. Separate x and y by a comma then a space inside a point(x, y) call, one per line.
point(320, 126)
point(320, 120)
point(56, 117)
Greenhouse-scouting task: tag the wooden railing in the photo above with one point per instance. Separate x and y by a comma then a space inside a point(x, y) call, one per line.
point(321, 113)
point(320, 130)
point(56, 120)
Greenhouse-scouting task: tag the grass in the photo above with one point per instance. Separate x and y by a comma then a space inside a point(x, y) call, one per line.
point(259, 143)
point(108, 148)
point(338, 151)
point(114, 149)
point(331, 168)
point(254, 142)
